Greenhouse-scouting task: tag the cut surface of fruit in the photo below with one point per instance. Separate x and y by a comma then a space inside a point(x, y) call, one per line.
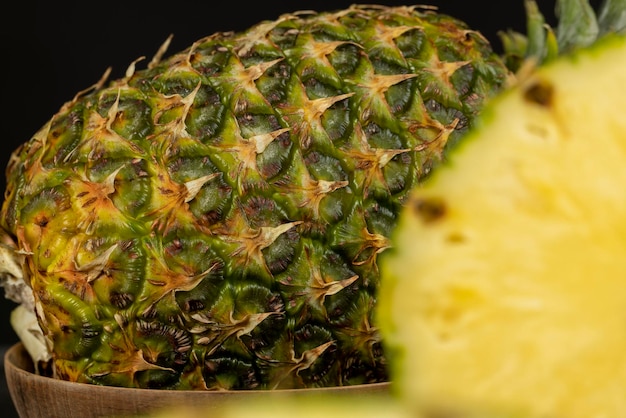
point(505, 291)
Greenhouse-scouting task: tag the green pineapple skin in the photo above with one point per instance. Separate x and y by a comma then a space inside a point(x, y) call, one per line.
point(213, 221)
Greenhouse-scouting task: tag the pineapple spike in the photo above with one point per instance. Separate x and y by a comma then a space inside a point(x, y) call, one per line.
point(312, 111)
point(130, 71)
point(236, 327)
point(315, 190)
point(438, 143)
point(96, 266)
point(194, 186)
point(258, 35)
point(167, 282)
point(138, 363)
point(321, 289)
point(95, 87)
point(9, 263)
point(261, 141)
point(39, 141)
point(304, 361)
point(238, 83)
point(252, 243)
point(187, 102)
point(267, 235)
point(373, 244)
point(386, 36)
point(380, 83)
point(308, 357)
point(319, 50)
point(161, 52)
point(247, 150)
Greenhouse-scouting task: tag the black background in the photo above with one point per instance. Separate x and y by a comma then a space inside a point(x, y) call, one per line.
point(53, 49)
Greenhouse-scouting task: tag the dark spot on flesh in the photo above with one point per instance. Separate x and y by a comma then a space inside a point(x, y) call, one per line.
point(429, 210)
point(540, 93)
point(456, 238)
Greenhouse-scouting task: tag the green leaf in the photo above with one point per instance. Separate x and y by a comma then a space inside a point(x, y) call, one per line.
point(535, 26)
point(612, 16)
point(578, 25)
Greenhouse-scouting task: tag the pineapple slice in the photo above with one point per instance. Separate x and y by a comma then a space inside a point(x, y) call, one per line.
point(505, 294)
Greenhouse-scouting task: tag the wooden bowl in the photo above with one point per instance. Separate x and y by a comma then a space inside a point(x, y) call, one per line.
point(36, 396)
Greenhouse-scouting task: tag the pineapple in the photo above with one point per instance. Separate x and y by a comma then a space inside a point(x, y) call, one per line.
point(214, 221)
point(505, 292)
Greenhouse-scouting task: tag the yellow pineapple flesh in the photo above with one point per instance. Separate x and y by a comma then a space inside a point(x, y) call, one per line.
point(505, 292)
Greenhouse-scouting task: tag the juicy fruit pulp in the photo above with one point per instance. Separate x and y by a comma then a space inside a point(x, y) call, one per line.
point(214, 221)
point(505, 294)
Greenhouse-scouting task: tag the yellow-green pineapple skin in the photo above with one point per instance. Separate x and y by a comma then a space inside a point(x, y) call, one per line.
point(505, 292)
point(213, 221)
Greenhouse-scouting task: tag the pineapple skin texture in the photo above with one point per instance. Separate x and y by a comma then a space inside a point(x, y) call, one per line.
point(214, 221)
point(505, 293)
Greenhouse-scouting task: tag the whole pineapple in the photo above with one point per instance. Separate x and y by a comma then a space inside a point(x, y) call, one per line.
point(214, 221)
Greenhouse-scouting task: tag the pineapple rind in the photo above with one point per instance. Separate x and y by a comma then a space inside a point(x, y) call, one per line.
point(505, 292)
point(214, 221)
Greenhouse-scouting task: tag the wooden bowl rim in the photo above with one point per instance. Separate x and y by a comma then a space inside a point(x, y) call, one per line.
point(37, 396)
point(19, 365)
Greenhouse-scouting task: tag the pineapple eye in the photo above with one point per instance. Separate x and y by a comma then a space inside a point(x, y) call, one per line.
point(429, 210)
point(540, 93)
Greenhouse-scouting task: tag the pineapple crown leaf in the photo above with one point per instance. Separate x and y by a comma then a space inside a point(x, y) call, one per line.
point(535, 26)
point(612, 17)
point(578, 25)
